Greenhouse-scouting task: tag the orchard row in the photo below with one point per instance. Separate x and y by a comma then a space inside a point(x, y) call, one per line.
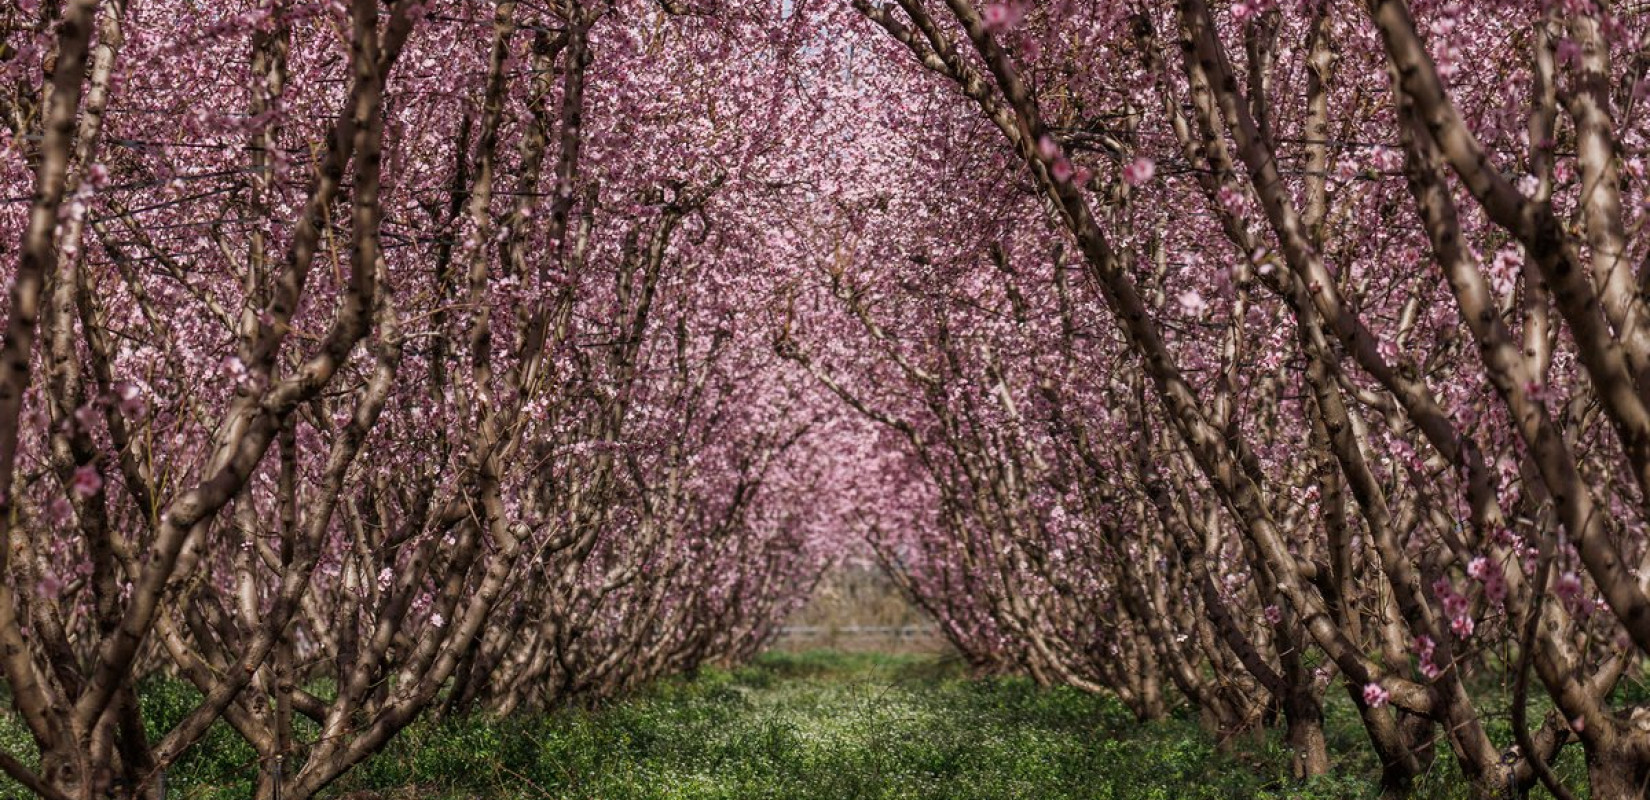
point(368, 360)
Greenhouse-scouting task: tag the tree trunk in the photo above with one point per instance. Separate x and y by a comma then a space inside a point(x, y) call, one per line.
point(1309, 750)
point(1152, 705)
point(1616, 775)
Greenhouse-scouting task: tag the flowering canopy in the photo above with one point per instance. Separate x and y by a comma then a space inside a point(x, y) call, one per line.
point(464, 355)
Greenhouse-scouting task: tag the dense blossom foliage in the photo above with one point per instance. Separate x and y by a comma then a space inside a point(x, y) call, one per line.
point(366, 360)
point(1260, 347)
point(391, 358)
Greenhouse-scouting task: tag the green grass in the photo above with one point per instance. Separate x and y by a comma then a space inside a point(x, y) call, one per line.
point(827, 726)
point(833, 726)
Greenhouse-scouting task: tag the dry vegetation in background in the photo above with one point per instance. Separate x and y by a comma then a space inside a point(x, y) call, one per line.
point(859, 609)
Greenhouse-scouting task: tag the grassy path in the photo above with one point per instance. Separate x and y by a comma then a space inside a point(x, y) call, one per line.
point(818, 726)
point(832, 727)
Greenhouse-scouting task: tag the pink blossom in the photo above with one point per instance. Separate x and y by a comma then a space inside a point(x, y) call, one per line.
point(86, 481)
point(1274, 615)
point(1479, 568)
point(1495, 588)
point(235, 368)
point(1568, 586)
point(1230, 199)
point(1192, 302)
point(1139, 171)
point(60, 511)
point(1245, 10)
point(1505, 268)
point(49, 586)
point(129, 400)
point(1425, 647)
point(1386, 159)
point(1003, 17)
point(36, 418)
point(1047, 148)
point(1461, 626)
point(1375, 695)
point(86, 417)
point(1568, 52)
